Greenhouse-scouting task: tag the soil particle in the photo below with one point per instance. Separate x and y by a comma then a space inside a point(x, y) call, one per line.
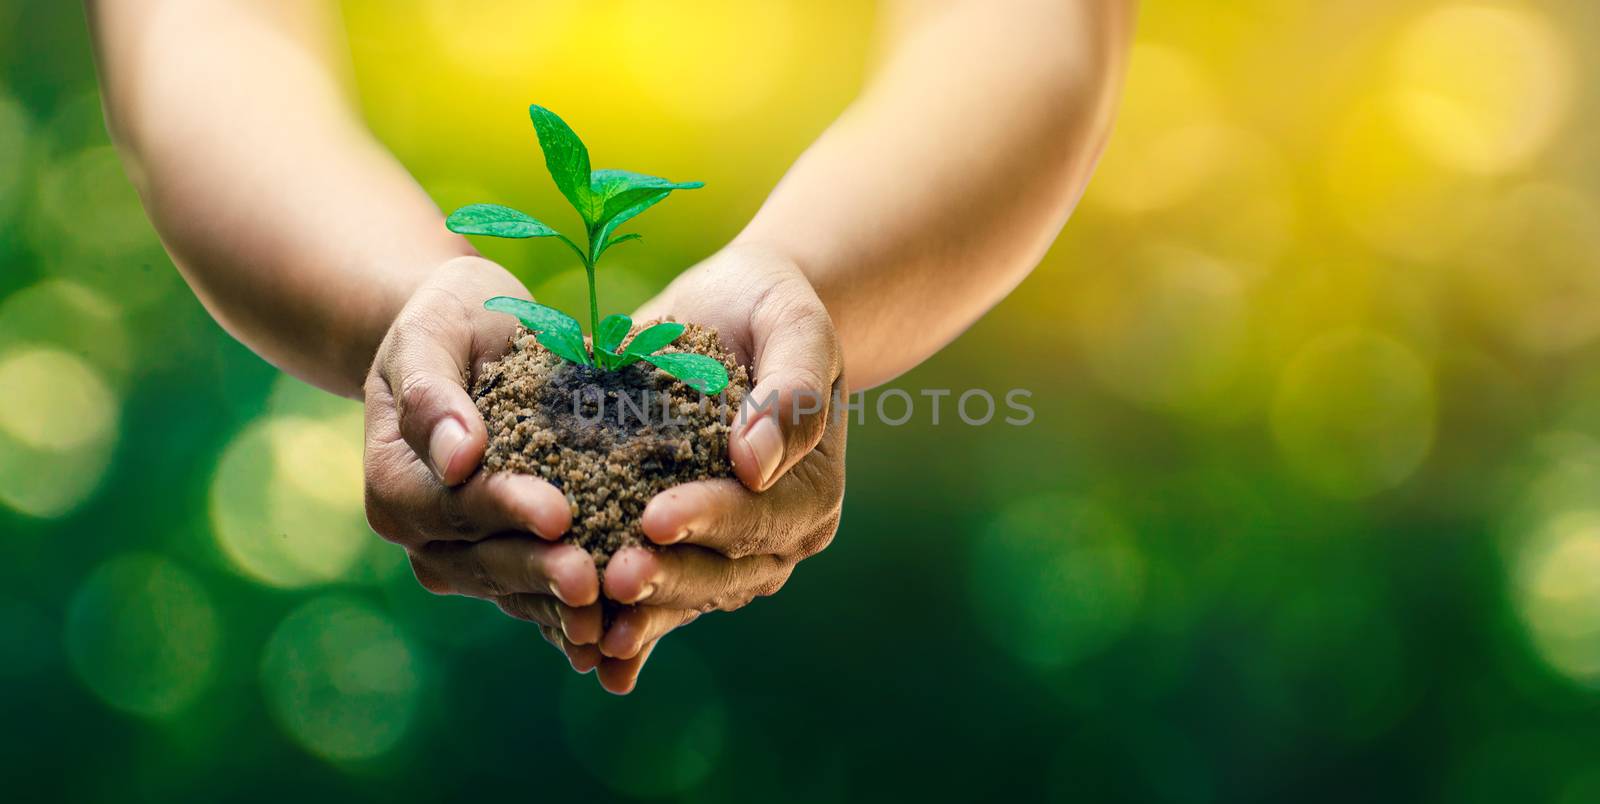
point(610, 440)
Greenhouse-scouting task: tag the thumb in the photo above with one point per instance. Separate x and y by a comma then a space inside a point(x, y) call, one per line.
point(425, 365)
point(797, 371)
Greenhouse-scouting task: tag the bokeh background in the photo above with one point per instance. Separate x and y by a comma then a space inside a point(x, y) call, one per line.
point(1311, 505)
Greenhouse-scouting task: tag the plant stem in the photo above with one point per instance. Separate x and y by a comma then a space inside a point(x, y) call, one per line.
point(594, 305)
point(594, 316)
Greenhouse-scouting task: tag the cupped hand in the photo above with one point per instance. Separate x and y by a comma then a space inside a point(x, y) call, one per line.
point(721, 543)
point(467, 532)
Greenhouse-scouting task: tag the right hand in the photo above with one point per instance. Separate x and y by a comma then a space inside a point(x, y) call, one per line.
point(467, 532)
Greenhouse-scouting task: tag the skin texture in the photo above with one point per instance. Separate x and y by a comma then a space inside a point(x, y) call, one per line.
point(929, 199)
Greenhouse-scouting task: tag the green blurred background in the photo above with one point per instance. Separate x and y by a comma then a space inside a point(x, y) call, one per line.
point(1311, 506)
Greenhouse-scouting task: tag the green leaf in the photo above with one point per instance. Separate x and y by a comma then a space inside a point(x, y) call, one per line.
point(612, 191)
point(613, 328)
point(622, 205)
point(704, 374)
point(566, 158)
point(496, 221)
point(556, 330)
point(650, 341)
point(615, 240)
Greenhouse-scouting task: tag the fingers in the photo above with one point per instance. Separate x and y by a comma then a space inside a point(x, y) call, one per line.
point(691, 577)
point(795, 518)
point(508, 565)
point(618, 676)
point(582, 625)
point(583, 658)
point(635, 627)
point(797, 369)
point(407, 504)
point(425, 361)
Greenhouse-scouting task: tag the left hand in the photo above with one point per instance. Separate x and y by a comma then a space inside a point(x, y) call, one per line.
point(723, 542)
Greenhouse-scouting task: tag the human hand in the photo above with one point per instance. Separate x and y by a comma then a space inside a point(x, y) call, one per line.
point(465, 531)
point(721, 543)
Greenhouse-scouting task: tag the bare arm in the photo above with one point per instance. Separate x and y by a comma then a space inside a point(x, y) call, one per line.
point(299, 232)
point(940, 189)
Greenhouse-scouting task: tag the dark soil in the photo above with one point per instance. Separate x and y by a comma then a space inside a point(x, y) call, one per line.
point(610, 440)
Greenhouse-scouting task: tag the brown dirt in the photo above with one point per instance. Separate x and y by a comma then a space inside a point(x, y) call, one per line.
point(608, 461)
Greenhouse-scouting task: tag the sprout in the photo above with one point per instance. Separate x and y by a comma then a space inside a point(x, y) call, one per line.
point(605, 199)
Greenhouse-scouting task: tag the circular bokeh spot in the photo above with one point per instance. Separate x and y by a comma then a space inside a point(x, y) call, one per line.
point(1533, 270)
point(1481, 88)
point(69, 316)
point(341, 679)
point(58, 430)
point(54, 401)
point(1558, 594)
point(142, 633)
point(1353, 413)
point(662, 739)
point(286, 500)
point(1056, 579)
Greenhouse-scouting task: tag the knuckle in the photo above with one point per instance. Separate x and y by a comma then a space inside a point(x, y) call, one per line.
point(743, 545)
point(379, 503)
point(533, 570)
point(486, 582)
point(818, 538)
point(428, 578)
point(453, 515)
point(772, 585)
point(418, 392)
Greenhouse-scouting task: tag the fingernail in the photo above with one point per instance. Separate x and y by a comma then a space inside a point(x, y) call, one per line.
point(561, 594)
point(616, 642)
point(766, 441)
point(645, 593)
point(448, 436)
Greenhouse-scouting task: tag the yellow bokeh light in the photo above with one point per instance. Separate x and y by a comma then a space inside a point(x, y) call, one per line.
point(1168, 329)
point(1533, 272)
point(59, 428)
point(1353, 413)
point(341, 679)
point(1169, 136)
point(1481, 88)
point(1558, 594)
point(54, 401)
point(1056, 579)
point(142, 633)
point(286, 500)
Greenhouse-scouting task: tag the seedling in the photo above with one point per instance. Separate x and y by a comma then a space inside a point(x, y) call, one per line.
point(605, 199)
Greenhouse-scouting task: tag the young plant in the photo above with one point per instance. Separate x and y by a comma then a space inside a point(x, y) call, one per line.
point(605, 199)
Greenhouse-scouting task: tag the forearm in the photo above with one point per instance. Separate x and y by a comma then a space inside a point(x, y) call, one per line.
point(300, 233)
point(942, 187)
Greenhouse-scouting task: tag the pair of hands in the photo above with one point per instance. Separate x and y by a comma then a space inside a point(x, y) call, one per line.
point(720, 543)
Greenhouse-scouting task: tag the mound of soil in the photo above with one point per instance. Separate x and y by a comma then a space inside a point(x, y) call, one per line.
point(610, 440)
